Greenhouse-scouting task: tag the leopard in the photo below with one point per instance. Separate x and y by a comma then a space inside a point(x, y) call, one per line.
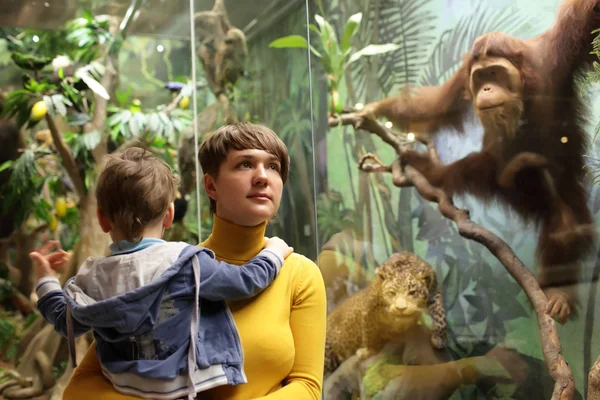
point(402, 294)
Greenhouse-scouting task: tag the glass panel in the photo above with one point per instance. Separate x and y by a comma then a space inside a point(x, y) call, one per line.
point(272, 89)
point(81, 79)
point(442, 317)
point(84, 79)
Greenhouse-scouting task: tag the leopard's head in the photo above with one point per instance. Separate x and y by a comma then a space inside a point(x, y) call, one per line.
point(403, 296)
point(420, 269)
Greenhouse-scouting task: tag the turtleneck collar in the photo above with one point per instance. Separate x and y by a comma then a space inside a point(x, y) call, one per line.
point(235, 243)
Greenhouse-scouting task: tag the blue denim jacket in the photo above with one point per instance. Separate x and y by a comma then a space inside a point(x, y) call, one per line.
point(153, 339)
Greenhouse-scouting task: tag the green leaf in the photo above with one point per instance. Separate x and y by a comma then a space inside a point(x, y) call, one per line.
point(321, 21)
point(114, 132)
point(30, 62)
point(93, 84)
point(119, 117)
point(177, 124)
point(97, 69)
point(41, 210)
point(88, 180)
point(169, 131)
point(87, 14)
point(292, 41)
point(329, 41)
point(39, 87)
point(62, 99)
point(371, 50)
point(6, 165)
point(61, 73)
point(137, 124)
point(349, 31)
point(316, 53)
point(59, 102)
point(314, 28)
point(91, 139)
point(158, 142)
point(72, 217)
point(79, 119)
point(49, 106)
point(23, 115)
point(23, 186)
point(123, 95)
point(155, 125)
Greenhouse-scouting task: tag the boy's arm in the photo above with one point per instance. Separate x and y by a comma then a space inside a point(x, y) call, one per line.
point(53, 306)
point(223, 281)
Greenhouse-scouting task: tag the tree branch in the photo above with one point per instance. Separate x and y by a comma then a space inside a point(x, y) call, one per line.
point(368, 125)
point(594, 381)
point(559, 370)
point(67, 157)
point(564, 387)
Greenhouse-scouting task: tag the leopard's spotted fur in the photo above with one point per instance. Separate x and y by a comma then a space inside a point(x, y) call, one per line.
point(404, 287)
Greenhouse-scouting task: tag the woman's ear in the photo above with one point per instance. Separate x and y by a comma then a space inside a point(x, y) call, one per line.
point(210, 187)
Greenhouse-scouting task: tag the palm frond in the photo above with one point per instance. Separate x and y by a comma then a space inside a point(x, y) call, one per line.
point(454, 43)
point(407, 23)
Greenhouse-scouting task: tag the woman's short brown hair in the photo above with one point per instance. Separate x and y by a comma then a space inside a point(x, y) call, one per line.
point(135, 188)
point(240, 136)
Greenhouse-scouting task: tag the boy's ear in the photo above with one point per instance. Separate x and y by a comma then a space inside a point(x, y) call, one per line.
point(169, 216)
point(209, 187)
point(103, 221)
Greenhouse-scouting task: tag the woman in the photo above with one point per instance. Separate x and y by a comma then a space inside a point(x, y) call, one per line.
point(283, 329)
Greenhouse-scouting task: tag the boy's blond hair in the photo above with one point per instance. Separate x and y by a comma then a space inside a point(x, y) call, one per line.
point(135, 188)
point(240, 136)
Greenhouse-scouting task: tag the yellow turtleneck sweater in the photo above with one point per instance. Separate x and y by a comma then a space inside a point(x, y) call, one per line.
point(282, 329)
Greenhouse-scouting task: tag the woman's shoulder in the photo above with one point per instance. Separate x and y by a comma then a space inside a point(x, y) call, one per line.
point(305, 274)
point(302, 263)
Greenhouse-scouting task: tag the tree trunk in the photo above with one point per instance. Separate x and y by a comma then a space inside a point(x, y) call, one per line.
point(37, 365)
point(92, 240)
point(25, 245)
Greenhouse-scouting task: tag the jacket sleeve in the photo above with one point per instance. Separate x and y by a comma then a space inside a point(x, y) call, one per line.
point(307, 320)
point(223, 281)
point(53, 306)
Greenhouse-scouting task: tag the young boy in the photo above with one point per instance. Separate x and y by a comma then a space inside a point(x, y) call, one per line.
point(157, 308)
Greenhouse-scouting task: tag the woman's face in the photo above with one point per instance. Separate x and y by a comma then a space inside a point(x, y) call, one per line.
point(248, 188)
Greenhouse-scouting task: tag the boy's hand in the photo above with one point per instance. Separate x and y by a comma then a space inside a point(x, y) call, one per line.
point(279, 246)
point(46, 263)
